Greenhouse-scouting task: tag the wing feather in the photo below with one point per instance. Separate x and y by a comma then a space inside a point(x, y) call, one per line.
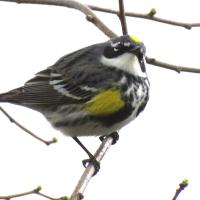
point(70, 80)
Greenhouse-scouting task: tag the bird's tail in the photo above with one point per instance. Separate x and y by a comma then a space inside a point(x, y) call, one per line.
point(3, 97)
point(11, 96)
point(19, 97)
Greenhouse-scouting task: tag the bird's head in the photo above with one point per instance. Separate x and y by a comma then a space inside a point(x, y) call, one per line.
point(125, 53)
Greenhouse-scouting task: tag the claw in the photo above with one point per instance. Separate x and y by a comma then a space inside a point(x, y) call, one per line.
point(94, 162)
point(114, 135)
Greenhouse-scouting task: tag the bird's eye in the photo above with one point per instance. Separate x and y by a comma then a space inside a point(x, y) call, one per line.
point(116, 49)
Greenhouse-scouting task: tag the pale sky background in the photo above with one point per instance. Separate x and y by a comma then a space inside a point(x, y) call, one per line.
point(155, 152)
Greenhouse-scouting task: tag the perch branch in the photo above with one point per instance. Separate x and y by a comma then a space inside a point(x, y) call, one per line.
point(83, 182)
point(26, 130)
point(122, 17)
point(90, 16)
point(149, 16)
point(89, 171)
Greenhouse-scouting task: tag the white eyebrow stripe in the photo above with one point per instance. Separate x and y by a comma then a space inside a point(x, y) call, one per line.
point(114, 44)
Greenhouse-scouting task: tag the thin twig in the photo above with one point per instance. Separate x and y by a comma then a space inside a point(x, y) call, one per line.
point(96, 21)
point(122, 17)
point(36, 191)
point(52, 198)
point(26, 130)
point(89, 171)
point(90, 16)
point(149, 16)
point(176, 68)
point(182, 186)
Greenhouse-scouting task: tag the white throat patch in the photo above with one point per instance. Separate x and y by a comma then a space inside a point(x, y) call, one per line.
point(127, 62)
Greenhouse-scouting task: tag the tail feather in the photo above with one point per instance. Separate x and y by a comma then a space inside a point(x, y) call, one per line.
point(11, 96)
point(2, 98)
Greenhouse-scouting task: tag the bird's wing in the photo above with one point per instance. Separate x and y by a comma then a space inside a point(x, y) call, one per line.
point(73, 79)
point(77, 84)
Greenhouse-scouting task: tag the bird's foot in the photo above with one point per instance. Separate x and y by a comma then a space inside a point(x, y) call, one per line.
point(92, 160)
point(114, 135)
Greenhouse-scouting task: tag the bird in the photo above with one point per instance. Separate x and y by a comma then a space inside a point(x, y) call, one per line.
point(94, 91)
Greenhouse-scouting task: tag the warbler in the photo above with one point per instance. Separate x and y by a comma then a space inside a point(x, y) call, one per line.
point(93, 91)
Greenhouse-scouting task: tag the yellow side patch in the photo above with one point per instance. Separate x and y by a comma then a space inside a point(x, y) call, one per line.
point(135, 39)
point(105, 103)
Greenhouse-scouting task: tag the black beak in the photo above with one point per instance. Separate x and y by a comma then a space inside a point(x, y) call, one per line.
point(139, 50)
point(142, 64)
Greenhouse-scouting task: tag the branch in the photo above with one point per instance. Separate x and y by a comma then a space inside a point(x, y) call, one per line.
point(105, 145)
point(26, 130)
point(122, 17)
point(149, 16)
point(182, 186)
point(89, 171)
point(176, 68)
point(34, 191)
point(90, 16)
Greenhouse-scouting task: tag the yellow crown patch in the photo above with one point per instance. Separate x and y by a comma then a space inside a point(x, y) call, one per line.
point(135, 39)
